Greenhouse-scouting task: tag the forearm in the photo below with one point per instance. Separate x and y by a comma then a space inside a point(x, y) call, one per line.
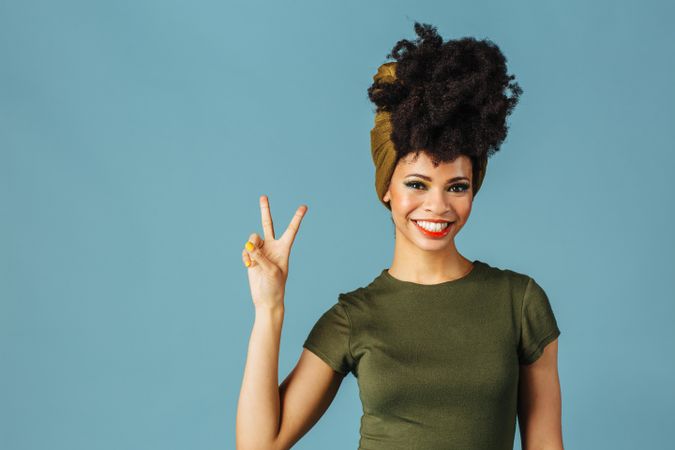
point(258, 409)
point(553, 446)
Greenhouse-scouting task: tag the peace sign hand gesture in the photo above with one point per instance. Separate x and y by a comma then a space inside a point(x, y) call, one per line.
point(267, 259)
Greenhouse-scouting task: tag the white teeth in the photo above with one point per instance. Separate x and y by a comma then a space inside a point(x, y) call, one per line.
point(432, 226)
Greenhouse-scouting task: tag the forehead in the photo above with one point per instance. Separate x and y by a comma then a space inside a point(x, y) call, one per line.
point(421, 163)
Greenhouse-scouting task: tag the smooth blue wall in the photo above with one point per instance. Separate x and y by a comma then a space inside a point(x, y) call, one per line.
point(137, 136)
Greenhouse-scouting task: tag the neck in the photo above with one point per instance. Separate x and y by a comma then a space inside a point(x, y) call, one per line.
point(412, 263)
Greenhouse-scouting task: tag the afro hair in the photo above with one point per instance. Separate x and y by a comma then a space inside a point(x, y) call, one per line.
point(448, 99)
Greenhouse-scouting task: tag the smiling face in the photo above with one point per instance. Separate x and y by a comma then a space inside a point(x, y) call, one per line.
point(419, 191)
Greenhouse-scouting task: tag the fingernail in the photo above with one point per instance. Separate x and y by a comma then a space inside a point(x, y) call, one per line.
point(248, 263)
point(249, 246)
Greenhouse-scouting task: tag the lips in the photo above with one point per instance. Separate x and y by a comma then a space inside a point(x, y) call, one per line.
point(434, 234)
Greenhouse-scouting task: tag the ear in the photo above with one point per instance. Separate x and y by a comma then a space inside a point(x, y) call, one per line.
point(387, 196)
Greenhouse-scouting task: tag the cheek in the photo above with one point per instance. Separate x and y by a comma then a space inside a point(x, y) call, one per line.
point(464, 209)
point(408, 201)
point(405, 202)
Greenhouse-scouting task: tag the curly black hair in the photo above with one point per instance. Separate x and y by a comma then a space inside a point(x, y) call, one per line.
point(449, 98)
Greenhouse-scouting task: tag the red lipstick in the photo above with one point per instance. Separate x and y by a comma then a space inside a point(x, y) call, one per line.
point(434, 234)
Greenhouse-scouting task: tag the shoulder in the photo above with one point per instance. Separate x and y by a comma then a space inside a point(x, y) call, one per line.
point(505, 278)
point(495, 271)
point(354, 297)
point(362, 297)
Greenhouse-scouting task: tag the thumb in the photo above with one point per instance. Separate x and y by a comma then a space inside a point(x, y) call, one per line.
point(258, 256)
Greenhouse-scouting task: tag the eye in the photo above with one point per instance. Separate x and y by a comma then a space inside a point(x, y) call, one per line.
point(463, 187)
point(412, 184)
point(460, 187)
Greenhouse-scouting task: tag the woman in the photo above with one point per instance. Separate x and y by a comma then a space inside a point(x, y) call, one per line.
point(447, 351)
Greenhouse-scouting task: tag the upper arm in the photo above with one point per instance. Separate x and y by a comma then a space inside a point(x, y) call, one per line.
point(539, 401)
point(305, 395)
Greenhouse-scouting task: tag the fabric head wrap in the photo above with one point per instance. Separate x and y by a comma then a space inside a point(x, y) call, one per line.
point(384, 152)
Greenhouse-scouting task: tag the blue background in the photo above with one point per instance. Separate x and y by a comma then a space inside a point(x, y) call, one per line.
point(137, 136)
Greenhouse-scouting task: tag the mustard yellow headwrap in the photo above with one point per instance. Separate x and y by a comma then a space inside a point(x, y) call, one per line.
point(383, 150)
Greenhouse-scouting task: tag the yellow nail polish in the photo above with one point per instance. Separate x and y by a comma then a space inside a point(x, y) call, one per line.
point(248, 263)
point(249, 246)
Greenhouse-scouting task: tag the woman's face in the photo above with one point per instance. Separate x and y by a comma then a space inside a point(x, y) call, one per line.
point(419, 191)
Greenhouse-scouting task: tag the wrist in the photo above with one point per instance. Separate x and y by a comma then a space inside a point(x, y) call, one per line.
point(270, 310)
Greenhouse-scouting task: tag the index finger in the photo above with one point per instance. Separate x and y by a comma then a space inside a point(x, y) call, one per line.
point(266, 216)
point(293, 227)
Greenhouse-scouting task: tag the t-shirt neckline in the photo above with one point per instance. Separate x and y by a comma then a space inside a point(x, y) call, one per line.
point(477, 265)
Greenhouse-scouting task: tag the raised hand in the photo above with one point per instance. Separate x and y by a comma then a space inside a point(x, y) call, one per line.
point(267, 259)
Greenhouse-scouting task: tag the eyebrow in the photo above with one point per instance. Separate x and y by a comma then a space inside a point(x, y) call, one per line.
point(424, 177)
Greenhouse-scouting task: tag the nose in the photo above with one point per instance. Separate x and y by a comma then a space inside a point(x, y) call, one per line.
point(436, 202)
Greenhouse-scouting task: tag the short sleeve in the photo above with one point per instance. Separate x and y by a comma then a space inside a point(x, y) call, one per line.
point(538, 324)
point(329, 339)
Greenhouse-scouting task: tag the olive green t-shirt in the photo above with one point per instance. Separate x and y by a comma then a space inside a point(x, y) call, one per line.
point(437, 365)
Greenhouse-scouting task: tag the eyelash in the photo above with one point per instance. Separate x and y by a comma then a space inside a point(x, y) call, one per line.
point(464, 186)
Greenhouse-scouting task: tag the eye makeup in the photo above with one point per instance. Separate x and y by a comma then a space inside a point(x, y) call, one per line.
point(462, 186)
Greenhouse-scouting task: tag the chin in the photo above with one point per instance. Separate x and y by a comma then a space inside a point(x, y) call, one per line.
point(438, 245)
